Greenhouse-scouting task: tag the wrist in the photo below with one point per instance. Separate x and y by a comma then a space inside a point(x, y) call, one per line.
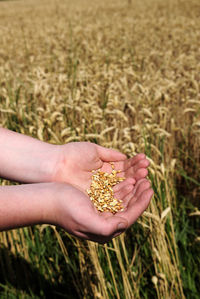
point(58, 166)
point(25, 159)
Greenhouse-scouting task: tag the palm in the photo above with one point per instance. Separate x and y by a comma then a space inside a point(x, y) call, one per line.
point(80, 218)
point(79, 159)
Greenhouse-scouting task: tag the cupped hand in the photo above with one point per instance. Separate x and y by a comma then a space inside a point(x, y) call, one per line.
point(74, 212)
point(76, 160)
point(136, 202)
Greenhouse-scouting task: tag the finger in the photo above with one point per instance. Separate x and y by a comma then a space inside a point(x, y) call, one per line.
point(144, 163)
point(144, 184)
point(126, 200)
point(131, 195)
point(92, 237)
point(103, 225)
point(139, 182)
point(124, 165)
point(135, 210)
point(109, 155)
point(123, 192)
point(134, 161)
point(138, 158)
point(128, 181)
point(137, 175)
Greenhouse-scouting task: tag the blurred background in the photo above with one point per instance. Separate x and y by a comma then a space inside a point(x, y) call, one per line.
point(126, 75)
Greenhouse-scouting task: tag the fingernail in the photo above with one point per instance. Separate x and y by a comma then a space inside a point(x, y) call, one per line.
point(121, 226)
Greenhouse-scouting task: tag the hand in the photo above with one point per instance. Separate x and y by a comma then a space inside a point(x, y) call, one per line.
point(74, 212)
point(27, 160)
point(137, 201)
point(65, 206)
point(75, 161)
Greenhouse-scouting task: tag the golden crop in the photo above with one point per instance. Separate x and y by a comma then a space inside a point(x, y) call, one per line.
point(101, 191)
point(123, 74)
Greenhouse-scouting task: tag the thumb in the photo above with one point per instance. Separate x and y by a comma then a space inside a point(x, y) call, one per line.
point(106, 226)
point(108, 154)
point(116, 225)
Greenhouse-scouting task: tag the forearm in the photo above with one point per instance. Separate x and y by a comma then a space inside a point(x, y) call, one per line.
point(25, 205)
point(25, 159)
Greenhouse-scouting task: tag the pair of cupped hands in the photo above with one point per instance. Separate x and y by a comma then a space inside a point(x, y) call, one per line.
point(56, 178)
point(76, 212)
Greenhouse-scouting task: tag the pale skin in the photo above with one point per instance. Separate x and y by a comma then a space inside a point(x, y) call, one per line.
point(57, 177)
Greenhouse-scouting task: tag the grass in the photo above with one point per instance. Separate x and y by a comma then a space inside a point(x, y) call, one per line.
point(123, 74)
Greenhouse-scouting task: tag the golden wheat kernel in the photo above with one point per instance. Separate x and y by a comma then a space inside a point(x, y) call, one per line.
point(101, 190)
point(112, 165)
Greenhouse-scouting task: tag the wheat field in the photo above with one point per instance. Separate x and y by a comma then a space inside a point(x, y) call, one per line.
point(126, 75)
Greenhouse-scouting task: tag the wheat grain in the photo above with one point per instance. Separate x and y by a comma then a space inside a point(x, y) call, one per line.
point(101, 190)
